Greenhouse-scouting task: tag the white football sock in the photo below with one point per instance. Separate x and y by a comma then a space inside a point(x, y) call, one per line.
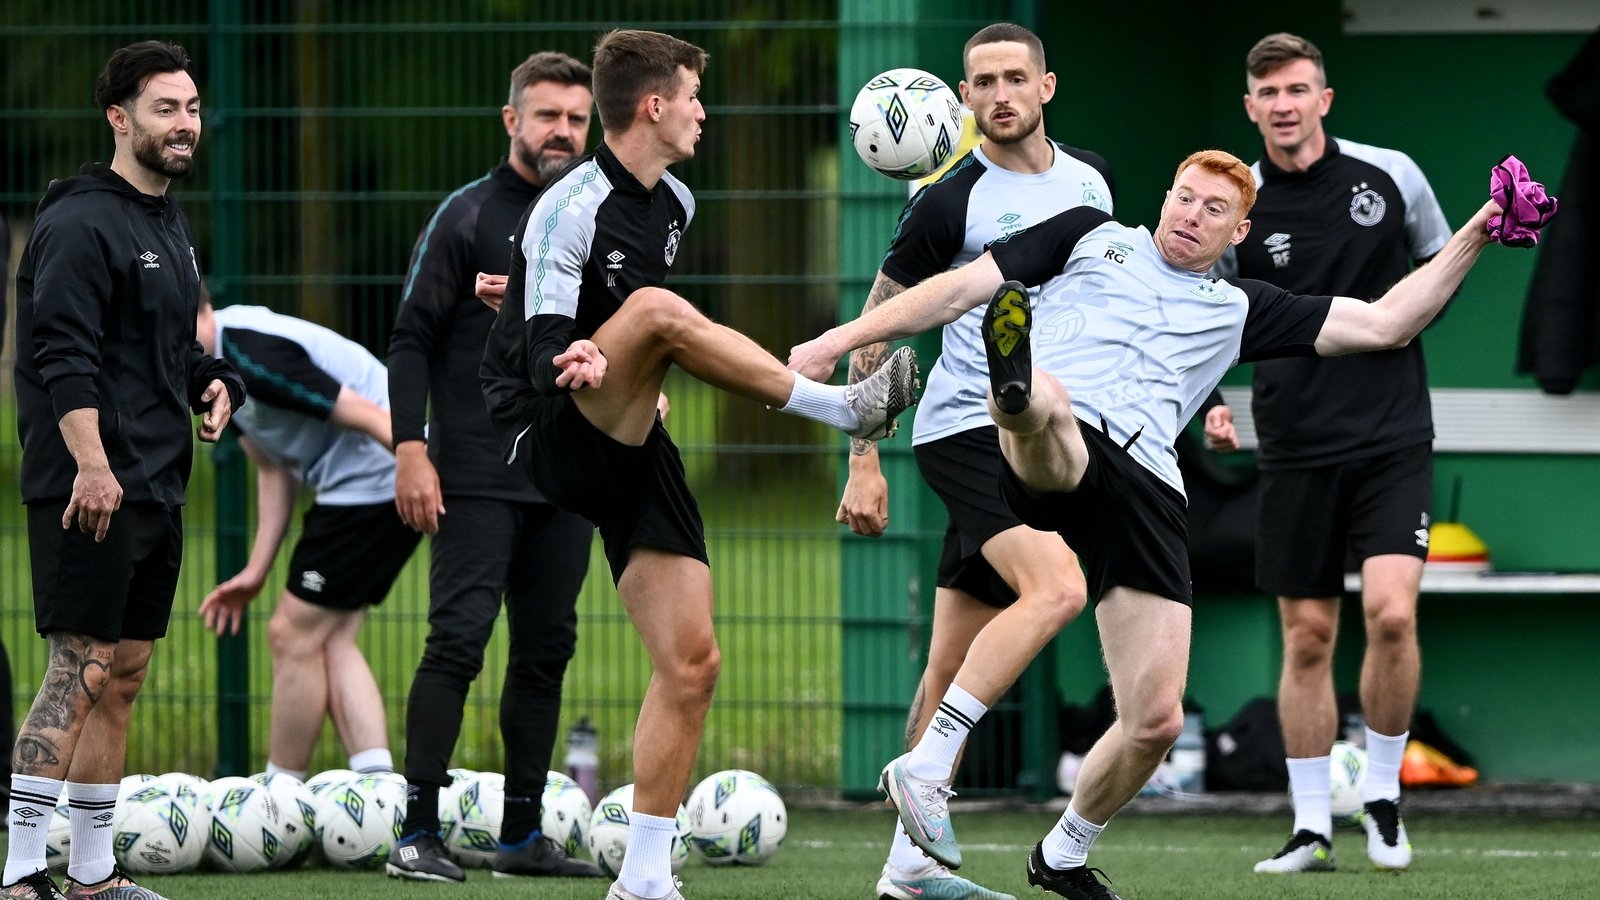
point(1384, 754)
point(647, 867)
point(378, 759)
point(934, 757)
point(1067, 845)
point(91, 807)
point(820, 403)
point(33, 803)
point(275, 769)
point(1310, 781)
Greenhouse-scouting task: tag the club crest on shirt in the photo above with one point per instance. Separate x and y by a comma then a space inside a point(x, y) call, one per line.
point(1093, 197)
point(1367, 206)
point(672, 241)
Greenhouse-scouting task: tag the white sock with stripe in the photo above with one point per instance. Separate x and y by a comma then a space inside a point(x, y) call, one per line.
point(33, 803)
point(92, 807)
point(934, 757)
point(1067, 845)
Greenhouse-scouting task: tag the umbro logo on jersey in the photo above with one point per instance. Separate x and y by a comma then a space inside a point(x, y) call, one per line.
point(1117, 251)
point(614, 259)
point(150, 260)
point(1278, 246)
point(1367, 206)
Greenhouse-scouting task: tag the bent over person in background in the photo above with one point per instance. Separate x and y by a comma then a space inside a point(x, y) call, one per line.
point(1151, 337)
point(493, 535)
point(572, 376)
point(318, 417)
point(108, 373)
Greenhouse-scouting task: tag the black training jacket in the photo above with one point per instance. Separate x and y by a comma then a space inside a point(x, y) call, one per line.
point(107, 292)
point(440, 332)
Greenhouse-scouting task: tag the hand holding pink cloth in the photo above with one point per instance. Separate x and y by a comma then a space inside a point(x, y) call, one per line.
point(1527, 207)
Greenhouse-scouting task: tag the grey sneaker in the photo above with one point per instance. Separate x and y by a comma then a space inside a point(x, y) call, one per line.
point(924, 808)
point(420, 856)
point(618, 892)
point(37, 886)
point(1306, 851)
point(938, 883)
point(884, 394)
point(117, 886)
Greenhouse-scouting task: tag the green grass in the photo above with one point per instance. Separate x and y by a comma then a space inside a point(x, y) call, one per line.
point(837, 854)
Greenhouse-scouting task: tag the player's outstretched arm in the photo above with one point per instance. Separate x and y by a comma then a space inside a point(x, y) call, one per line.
point(935, 302)
point(1400, 315)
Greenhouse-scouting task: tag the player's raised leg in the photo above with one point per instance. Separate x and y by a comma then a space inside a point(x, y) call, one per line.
point(655, 327)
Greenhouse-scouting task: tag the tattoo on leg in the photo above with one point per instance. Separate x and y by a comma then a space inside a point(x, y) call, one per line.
point(71, 687)
point(915, 717)
point(36, 752)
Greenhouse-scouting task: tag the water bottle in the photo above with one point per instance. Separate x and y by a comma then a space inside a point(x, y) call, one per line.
point(583, 758)
point(1189, 755)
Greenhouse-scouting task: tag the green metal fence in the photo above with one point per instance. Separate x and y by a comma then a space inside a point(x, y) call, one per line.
point(331, 132)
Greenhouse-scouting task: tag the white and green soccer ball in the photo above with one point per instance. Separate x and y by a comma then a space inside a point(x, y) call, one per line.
point(297, 817)
point(470, 811)
point(736, 816)
point(155, 831)
point(246, 827)
point(905, 123)
point(564, 813)
point(1347, 774)
point(608, 832)
point(359, 821)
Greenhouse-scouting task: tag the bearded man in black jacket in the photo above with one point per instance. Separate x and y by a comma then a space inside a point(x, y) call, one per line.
point(108, 371)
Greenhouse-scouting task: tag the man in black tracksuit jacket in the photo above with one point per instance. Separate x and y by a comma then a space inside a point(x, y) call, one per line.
point(107, 372)
point(493, 534)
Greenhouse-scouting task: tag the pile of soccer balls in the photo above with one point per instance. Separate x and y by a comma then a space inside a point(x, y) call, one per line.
point(165, 824)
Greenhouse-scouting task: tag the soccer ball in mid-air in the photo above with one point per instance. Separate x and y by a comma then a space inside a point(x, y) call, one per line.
point(1348, 765)
point(564, 812)
point(736, 816)
point(905, 123)
point(608, 832)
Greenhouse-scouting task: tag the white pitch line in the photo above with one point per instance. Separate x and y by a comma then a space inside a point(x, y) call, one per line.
point(1501, 853)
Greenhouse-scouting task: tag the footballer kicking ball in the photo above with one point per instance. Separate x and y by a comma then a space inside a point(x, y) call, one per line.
point(905, 123)
point(736, 816)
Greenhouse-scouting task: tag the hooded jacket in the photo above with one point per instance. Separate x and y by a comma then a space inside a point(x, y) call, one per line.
point(107, 292)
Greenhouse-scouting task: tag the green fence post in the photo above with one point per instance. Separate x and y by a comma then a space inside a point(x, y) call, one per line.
point(227, 64)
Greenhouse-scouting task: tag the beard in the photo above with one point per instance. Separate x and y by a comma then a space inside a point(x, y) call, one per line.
point(543, 164)
point(1022, 127)
point(148, 151)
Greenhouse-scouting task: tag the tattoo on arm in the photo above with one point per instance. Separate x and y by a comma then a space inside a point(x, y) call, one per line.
point(868, 359)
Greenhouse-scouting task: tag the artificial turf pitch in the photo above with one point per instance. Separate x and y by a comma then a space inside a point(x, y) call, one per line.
point(837, 854)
